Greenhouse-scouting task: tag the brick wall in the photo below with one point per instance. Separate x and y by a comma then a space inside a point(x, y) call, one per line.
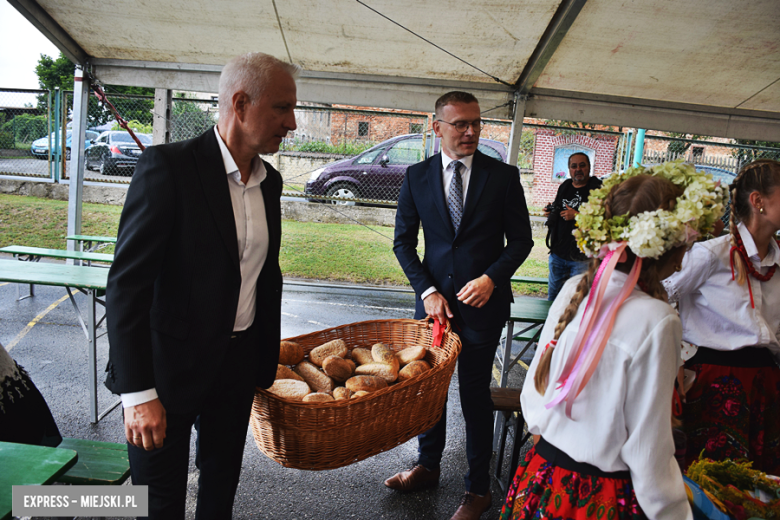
point(344, 125)
point(544, 188)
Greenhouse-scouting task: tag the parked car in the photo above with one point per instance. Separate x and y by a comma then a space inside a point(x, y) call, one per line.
point(725, 177)
point(40, 147)
point(379, 172)
point(115, 152)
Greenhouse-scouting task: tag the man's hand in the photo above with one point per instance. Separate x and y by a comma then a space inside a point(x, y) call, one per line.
point(145, 425)
point(568, 213)
point(436, 307)
point(477, 292)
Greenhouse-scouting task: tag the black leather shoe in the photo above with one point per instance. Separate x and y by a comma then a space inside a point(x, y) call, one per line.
point(415, 479)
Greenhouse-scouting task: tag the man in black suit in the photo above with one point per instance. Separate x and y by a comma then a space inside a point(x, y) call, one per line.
point(194, 293)
point(477, 233)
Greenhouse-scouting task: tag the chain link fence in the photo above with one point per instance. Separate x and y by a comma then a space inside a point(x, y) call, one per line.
point(26, 133)
point(338, 154)
point(721, 157)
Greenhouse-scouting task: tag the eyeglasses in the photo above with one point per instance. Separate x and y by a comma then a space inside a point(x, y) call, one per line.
point(462, 126)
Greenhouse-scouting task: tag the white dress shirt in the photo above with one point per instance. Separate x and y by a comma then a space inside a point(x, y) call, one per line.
point(622, 419)
point(715, 310)
point(447, 170)
point(252, 234)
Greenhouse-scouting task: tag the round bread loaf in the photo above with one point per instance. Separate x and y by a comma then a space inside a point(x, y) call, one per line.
point(341, 392)
point(290, 389)
point(317, 380)
point(283, 372)
point(383, 370)
point(290, 353)
point(337, 368)
point(410, 354)
point(365, 383)
point(337, 347)
point(318, 397)
point(361, 356)
point(413, 369)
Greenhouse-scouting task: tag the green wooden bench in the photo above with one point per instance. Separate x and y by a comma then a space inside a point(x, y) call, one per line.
point(27, 465)
point(529, 279)
point(34, 254)
point(86, 241)
point(99, 463)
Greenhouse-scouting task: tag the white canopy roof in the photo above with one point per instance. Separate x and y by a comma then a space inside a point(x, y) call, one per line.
point(710, 67)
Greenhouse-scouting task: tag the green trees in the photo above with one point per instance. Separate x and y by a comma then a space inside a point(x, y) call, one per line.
point(53, 73)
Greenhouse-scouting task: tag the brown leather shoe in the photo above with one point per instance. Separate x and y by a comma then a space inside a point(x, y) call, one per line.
point(415, 479)
point(472, 506)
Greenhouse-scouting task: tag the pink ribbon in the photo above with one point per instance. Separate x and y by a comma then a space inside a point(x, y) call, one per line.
point(595, 328)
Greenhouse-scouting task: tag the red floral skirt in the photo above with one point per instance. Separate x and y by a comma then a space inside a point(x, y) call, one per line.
point(733, 412)
point(541, 490)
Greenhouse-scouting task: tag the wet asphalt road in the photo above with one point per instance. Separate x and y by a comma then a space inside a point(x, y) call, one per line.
point(53, 351)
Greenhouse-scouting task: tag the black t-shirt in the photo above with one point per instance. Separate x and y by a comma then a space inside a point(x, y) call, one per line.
point(562, 241)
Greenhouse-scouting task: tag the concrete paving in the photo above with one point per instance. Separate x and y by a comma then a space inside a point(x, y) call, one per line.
point(53, 350)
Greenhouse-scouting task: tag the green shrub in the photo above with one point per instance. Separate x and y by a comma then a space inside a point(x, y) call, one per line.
point(137, 127)
point(345, 148)
point(26, 128)
point(6, 139)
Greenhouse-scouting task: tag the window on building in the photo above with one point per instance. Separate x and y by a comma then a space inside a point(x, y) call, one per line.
point(363, 129)
point(415, 128)
point(698, 153)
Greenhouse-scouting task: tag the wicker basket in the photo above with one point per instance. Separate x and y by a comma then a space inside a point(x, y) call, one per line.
point(318, 436)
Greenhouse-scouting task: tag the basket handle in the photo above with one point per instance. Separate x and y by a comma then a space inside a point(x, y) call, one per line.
point(438, 330)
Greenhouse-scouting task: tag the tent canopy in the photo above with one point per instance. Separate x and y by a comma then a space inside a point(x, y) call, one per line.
point(709, 67)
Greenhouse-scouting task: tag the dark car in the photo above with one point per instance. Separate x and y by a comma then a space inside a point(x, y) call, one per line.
point(115, 152)
point(379, 172)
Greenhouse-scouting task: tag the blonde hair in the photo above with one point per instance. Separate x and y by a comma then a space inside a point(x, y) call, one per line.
point(633, 196)
point(762, 176)
point(250, 73)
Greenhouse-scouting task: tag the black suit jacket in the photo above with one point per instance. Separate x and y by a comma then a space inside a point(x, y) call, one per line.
point(495, 210)
point(173, 288)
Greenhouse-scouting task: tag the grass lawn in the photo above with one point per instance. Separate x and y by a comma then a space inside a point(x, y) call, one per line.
point(328, 252)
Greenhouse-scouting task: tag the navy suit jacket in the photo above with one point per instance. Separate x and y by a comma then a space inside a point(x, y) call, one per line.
point(494, 237)
point(173, 288)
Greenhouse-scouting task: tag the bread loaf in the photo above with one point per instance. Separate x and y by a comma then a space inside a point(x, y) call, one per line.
point(410, 354)
point(337, 368)
point(365, 383)
point(359, 393)
point(413, 369)
point(282, 372)
point(383, 370)
point(318, 397)
point(290, 389)
point(381, 353)
point(337, 347)
point(290, 353)
point(318, 381)
point(341, 392)
point(361, 356)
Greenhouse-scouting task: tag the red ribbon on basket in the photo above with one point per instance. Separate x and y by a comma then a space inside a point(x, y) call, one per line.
point(438, 332)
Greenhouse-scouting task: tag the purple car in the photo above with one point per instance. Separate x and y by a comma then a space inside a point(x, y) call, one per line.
point(379, 172)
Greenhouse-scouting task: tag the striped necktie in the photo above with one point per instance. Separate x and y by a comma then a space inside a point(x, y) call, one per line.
point(455, 197)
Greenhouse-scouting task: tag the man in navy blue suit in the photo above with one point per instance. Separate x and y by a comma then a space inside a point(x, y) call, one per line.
point(477, 233)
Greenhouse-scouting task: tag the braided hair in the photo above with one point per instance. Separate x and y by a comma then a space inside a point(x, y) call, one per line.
point(635, 195)
point(762, 176)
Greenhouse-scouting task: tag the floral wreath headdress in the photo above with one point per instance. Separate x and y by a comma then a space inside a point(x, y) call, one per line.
point(651, 234)
point(647, 235)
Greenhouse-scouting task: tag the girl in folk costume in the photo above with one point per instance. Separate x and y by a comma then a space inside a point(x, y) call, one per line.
point(729, 303)
point(598, 397)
